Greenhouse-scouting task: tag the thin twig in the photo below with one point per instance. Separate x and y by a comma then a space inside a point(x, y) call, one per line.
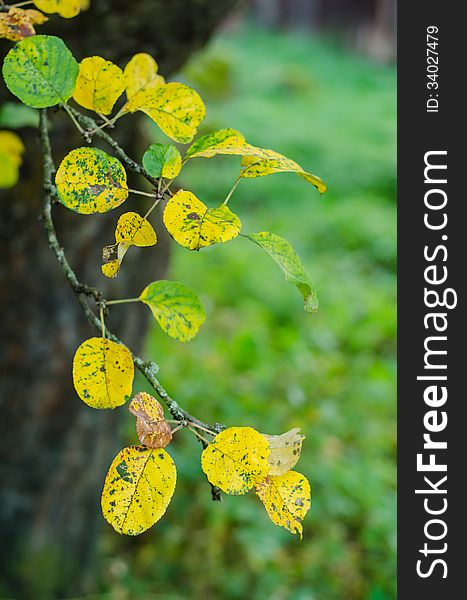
point(234, 187)
point(89, 124)
point(147, 369)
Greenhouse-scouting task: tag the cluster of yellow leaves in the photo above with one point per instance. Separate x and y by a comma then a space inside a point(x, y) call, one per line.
point(11, 150)
point(175, 107)
point(240, 458)
point(141, 479)
point(131, 230)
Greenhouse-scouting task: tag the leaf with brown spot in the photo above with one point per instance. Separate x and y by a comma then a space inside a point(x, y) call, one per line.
point(287, 499)
point(193, 225)
point(91, 181)
point(138, 489)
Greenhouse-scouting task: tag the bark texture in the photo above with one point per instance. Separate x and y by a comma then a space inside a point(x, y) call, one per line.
point(54, 450)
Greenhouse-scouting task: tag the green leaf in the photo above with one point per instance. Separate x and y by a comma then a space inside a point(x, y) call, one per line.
point(90, 181)
point(176, 308)
point(290, 264)
point(40, 71)
point(162, 161)
point(15, 115)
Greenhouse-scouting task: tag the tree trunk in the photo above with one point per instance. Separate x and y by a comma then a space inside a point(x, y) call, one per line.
point(54, 449)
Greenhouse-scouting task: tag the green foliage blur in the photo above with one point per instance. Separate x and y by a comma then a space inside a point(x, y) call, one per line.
point(260, 360)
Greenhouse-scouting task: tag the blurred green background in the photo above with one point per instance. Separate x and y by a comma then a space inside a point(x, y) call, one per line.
point(260, 360)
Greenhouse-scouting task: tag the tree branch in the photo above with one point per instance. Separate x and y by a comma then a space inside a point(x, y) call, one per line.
point(147, 369)
point(92, 128)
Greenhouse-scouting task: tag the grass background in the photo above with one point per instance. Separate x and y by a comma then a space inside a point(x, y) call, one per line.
point(260, 360)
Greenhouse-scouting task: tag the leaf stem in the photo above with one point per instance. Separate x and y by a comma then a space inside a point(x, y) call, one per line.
point(234, 187)
point(198, 435)
point(200, 427)
point(101, 313)
point(20, 4)
point(121, 301)
point(73, 118)
point(153, 206)
point(150, 195)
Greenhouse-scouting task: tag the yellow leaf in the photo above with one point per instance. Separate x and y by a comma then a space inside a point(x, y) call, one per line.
point(112, 257)
point(256, 162)
point(176, 308)
point(141, 74)
point(11, 149)
point(151, 427)
point(103, 373)
point(131, 230)
point(138, 488)
point(90, 181)
point(223, 141)
point(266, 162)
point(17, 24)
point(134, 230)
point(175, 107)
point(193, 225)
point(287, 499)
point(65, 8)
point(236, 460)
point(111, 268)
point(99, 85)
point(285, 451)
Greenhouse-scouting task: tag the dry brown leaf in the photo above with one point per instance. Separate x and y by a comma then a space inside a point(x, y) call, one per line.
point(152, 429)
point(17, 23)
